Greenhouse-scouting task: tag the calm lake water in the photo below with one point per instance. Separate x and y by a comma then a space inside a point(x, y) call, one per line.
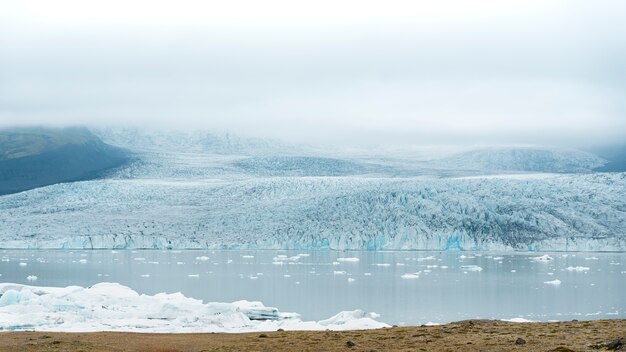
point(405, 288)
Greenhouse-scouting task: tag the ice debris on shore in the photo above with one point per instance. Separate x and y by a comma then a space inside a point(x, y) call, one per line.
point(114, 307)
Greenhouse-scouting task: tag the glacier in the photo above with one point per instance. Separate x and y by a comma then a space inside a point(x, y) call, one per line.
point(205, 191)
point(564, 212)
point(114, 307)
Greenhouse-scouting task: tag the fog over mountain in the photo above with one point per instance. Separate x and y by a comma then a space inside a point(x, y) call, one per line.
point(346, 73)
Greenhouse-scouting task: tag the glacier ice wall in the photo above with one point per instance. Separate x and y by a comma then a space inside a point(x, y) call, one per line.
point(546, 212)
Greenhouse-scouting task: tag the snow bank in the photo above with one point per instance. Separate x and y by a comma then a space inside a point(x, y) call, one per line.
point(113, 307)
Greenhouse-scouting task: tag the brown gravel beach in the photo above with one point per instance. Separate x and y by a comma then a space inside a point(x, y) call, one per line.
point(477, 335)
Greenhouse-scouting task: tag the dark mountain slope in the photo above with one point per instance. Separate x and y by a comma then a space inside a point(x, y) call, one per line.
point(35, 157)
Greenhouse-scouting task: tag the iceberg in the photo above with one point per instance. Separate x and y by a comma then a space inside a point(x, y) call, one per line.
point(114, 307)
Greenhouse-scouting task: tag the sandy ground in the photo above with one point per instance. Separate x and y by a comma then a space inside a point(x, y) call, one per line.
point(478, 335)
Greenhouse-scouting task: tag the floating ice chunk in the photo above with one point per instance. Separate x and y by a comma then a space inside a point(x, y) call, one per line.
point(180, 263)
point(31, 278)
point(23, 264)
point(284, 258)
point(229, 261)
point(277, 263)
point(425, 258)
point(471, 268)
point(550, 274)
point(577, 268)
point(83, 261)
point(336, 263)
point(203, 258)
point(247, 256)
point(513, 271)
point(400, 264)
point(592, 258)
point(462, 256)
point(383, 264)
point(352, 320)
point(286, 275)
point(444, 267)
point(139, 259)
point(518, 320)
point(113, 307)
point(367, 274)
point(543, 258)
point(411, 276)
point(339, 272)
point(554, 282)
point(193, 275)
point(145, 275)
point(351, 279)
point(253, 277)
point(350, 259)
point(498, 258)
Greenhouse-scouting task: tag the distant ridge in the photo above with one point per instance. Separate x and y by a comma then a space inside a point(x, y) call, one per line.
point(39, 156)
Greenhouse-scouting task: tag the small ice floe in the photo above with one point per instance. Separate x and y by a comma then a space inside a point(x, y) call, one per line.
point(518, 320)
point(475, 268)
point(383, 264)
point(351, 279)
point(425, 258)
point(592, 258)
point(153, 262)
point(411, 276)
point(444, 267)
point(145, 275)
point(193, 275)
point(550, 274)
point(83, 261)
point(203, 258)
point(114, 252)
point(400, 264)
point(432, 266)
point(303, 255)
point(498, 258)
point(253, 277)
point(577, 268)
point(5, 259)
point(339, 272)
point(229, 261)
point(367, 274)
point(23, 264)
point(543, 258)
point(247, 256)
point(513, 271)
point(284, 258)
point(277, 263)
point(348, 259)
point(554, 282)
point(615, 263)
point(287, 275)
point(180, 263)
point(139, 259)
point(31, 278)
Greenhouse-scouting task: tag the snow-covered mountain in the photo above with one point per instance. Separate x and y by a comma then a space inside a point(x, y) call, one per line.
point(527, 159)
point(202, 191)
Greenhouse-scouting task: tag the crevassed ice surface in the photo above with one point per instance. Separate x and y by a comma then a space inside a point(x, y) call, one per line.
point(405, 288)
point(204, 191)
point(567, 212)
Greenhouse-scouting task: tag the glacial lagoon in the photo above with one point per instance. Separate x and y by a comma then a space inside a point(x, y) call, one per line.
point(404, 287)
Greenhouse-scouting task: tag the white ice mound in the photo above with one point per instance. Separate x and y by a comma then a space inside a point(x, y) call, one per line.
point(113, 307)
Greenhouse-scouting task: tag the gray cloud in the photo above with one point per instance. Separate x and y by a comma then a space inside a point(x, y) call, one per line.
point(552, 75)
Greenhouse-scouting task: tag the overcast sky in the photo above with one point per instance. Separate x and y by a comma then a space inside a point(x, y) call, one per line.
point(358, 71)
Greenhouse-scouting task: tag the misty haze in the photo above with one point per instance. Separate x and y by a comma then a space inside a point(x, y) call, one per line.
point(454, 170)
